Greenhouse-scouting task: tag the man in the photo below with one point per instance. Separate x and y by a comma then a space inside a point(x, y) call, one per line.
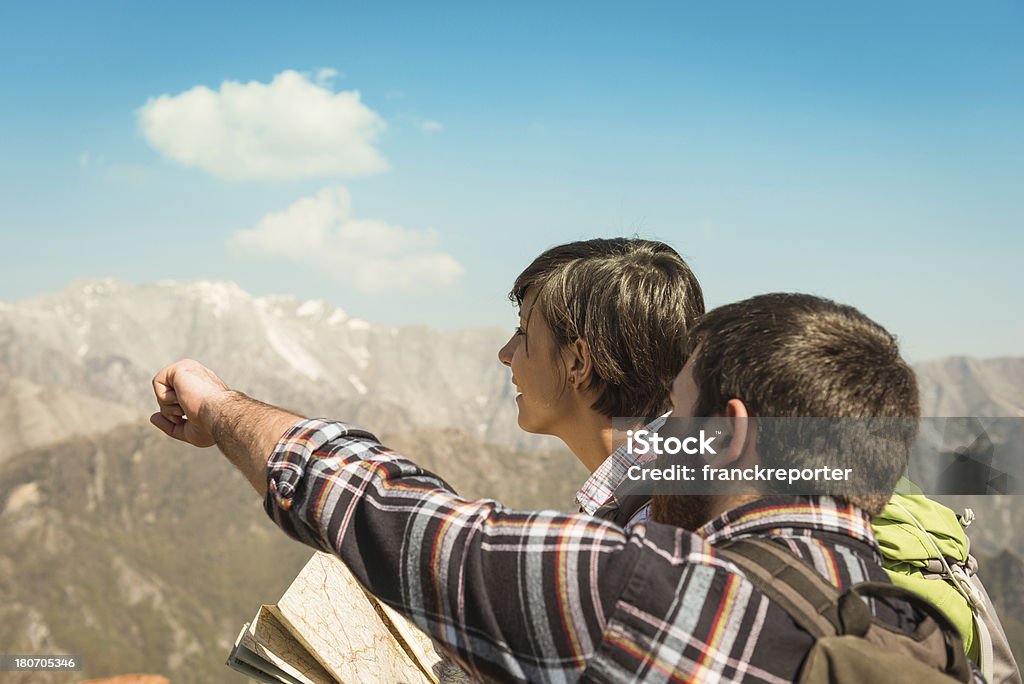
point(540, 596)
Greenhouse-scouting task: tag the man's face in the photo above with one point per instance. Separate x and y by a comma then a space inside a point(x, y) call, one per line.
point(685, 391)
point(693, 510)
point(535, 361)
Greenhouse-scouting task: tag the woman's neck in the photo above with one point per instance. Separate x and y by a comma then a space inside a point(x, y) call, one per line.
point(589, 436)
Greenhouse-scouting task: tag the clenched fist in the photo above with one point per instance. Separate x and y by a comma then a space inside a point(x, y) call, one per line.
point(186, 392)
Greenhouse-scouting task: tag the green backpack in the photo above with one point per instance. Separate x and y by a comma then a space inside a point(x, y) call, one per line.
point(850, 645)
point(926, 550)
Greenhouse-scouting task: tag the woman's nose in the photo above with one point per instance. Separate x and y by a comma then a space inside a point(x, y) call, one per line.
point(505, 353)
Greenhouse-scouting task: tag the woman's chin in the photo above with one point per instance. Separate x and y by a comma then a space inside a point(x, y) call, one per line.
point(524, 422)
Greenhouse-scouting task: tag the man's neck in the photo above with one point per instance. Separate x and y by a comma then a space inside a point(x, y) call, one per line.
point(692, 512)
point(723, 504)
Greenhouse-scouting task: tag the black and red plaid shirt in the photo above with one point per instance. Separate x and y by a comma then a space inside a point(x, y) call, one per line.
point(546, 597)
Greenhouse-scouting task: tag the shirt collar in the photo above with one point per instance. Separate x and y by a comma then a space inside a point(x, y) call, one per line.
point(779, 514)
point(600, 487)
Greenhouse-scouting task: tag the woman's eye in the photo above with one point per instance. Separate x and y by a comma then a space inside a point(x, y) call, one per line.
point(520, 331)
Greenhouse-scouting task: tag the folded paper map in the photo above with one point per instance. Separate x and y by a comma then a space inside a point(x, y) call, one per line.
point(328, 629)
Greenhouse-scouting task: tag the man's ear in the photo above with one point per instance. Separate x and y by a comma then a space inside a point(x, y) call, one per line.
point(740, 435)
point(579, 363)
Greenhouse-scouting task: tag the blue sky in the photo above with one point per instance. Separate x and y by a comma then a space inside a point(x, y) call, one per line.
point(871, 152)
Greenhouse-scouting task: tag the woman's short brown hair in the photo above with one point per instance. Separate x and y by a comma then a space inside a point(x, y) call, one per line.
point(633, 301)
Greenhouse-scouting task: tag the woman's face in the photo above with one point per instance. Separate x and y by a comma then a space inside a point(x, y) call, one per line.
point(537, 372)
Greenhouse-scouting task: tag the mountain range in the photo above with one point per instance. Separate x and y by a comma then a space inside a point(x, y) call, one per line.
point(145, 555)
point(81, 361)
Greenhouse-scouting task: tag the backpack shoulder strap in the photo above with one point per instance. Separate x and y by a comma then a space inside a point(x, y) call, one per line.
point(798, 589)
point(821, 610)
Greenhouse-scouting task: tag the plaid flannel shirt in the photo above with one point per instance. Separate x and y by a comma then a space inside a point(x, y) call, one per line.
point(597, 495)
point(547, 597)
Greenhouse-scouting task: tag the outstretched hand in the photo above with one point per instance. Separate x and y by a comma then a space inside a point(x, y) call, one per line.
point(186, 391)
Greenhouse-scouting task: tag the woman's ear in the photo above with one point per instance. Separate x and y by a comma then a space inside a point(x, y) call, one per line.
point(579, 363)
point(739, 438)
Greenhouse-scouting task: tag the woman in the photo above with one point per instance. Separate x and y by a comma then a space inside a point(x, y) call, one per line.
point(602, 334)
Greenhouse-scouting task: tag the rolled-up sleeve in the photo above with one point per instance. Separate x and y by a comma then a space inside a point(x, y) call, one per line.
point(515, 596)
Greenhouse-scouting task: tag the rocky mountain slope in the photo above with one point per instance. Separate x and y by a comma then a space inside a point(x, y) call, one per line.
point(963, 386)
point(147, 556)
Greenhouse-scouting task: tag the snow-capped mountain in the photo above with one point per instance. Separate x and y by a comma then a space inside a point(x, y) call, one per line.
point(83, 359)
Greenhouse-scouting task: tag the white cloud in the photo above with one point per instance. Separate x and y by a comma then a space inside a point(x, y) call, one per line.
point(369, 254)
point(287, 129)
point(325, 77)
point(430, 126)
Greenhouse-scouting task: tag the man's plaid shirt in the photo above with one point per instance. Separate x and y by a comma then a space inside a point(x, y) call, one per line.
point(548, 597)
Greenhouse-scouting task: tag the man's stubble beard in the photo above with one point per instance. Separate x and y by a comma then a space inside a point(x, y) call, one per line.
point(689, 511)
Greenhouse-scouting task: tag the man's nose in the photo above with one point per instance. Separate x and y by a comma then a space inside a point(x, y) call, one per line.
point(505, 353)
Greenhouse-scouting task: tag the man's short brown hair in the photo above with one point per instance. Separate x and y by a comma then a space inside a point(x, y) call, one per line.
point(633, 301)
point(796, 356)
